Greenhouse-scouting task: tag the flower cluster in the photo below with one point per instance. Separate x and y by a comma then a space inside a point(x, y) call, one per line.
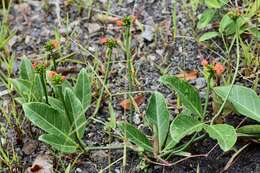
point(126, 21)
point(39, 68)
point(56, 78)
point(109, 42)
point(213, 68)
point(51, 45)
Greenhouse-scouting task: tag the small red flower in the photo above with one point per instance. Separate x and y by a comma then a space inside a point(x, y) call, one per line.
point(119, 23)
point(34, 65)
point(204, 62)
point(103, 40)
point(63, 78)
point(52, 74)
point(55, 44)
point(219, 68)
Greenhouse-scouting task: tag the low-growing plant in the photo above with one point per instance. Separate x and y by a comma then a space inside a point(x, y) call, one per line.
point(233, 21)
point(167, 135)
point(61, 116)
point(245, 102)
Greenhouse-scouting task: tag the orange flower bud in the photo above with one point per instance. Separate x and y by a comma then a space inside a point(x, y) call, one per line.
point(63, 78)
point(52, 74)
point(204, 62)
point(103, 40)
point(34, 65)
point(119, 23)
point(55, 44)
point(219, 68)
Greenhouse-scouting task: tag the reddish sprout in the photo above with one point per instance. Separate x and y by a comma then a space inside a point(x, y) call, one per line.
point(219, 68)
point(55, 44)
point(52, 74)
point(103, 40)
point(204, 62)
point(34, 66)
point(119, 23)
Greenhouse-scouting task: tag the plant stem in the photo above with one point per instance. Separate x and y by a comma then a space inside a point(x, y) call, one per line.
point(51, 55)
point(108, 69)
point(127, 41)
point(233, 80)
point(110, 147)
point(44, 87)
point(207, 98)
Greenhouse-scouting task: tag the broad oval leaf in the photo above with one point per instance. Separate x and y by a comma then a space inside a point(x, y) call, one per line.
point(75, 112)
point(157, 115)
point(182, 126)
point(135, 136)
point(83, 88)
point(224, 134)
point(216, 3)
point(26, 71)
point(225, 22)
point(56, 104)
point(249, 129)
point(37, 88)
point(48, 119)
point(59, 143)
point(22, 87)
point(208, 35)
point(244, 100)
point(255, 32)
point(206, 18)
point(188, 94)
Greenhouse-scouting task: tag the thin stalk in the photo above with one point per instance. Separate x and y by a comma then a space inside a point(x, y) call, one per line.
point(51, 56)
point(233, 80)
point(44, 87)
point(174, 18)
point(207, 97)
point(108, 69)
point(111, 147)
point(127, 40)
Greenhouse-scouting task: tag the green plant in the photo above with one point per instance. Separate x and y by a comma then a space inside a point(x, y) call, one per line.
point(62, 117)
point(245, 102)
point(232, 21)
point(5, 35)
point(168, 135)
point(127, 23)
point(28, 85)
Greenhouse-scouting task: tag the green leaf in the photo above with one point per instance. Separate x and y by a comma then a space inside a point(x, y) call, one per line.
point(135, 136)
point(182, 126)
point(83, 88)
point(23, 87)
point(208, 35)
point(224, 134)
point(206, 18)
point(157, 115)
point(48, 119)
point(37, 88)
point(249, 129)
point(255, 32)
point(188, 94)
point(223, 2)
point(56, 104)
point(59, 143)
point(75, 112)
point(225, 22)
point(244, 100)
point(213, 3)
point(26, 71)
point(111, 124)
point(195, 4)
